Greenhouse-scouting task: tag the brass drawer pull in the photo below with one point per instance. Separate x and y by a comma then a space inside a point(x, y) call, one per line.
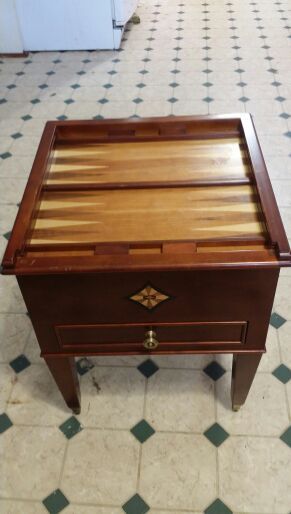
point(150, 342)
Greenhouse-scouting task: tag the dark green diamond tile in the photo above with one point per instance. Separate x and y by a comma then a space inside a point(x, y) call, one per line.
point(282, 373)
point(218, 507)
point(237, 58)
point(173, 100)
point(5, 423)
point(286, 437)
point(3, 101)
point(5, 155)
point(142, 431)
point(103, 101)
point(49, 73)
point(143, 72)
point(70, 427)
point(276, 83)
point(148, 368)
point(244, 99)
point(69, 101)
point(137, 100)
point(136, 505)
point(272, 70)
point(116, 60)
point(285, 115)
point(174, 84)
point(239, 70)
point(276, 320)
point(207, 84)
point(98, 117)
point(216, 434)
point(242, 84)
point(268, 58)
point(84, 365)
point(146, 59)
point(20, 73)
point(214, 370)
point(43, 86)
point(11, 86)
point(140, 85)
point(17, 135)
point(75, 86)
point(108, 86)
point(86, 61)
point(287, 134)
point(112, 72)
point(55, 502)
point(35, 101)
point(28, 61)
point(208, 99)
point(20, 363)
point(26, 117)
point(280, 98)
point(57, 61)
point(81, 72)
point(175, 72)
point(7, 235)
point(62, 117)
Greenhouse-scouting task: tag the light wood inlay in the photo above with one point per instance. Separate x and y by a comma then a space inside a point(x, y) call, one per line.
point(193, 213)
point(215, 159)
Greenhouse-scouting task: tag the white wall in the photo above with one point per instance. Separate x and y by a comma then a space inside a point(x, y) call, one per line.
point(10, 37)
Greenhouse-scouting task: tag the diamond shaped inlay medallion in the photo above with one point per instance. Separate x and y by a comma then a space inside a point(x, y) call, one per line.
point(149, 297)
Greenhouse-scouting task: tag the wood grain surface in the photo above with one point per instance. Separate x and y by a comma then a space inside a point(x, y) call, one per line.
point(155, 214)
point(216, 159)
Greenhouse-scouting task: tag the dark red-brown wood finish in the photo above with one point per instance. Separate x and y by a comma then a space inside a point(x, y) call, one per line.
point(208, 295)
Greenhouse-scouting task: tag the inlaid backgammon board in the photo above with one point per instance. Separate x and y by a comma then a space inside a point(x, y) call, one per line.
point(151, 236)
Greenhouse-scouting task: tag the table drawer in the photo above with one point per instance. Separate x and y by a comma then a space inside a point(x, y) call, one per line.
point(158, 337)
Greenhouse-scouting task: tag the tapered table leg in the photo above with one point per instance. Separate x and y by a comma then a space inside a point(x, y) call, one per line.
point(244, 367)
point(64, 372)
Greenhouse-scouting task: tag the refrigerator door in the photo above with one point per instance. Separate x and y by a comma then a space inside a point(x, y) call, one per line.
point(123, 10)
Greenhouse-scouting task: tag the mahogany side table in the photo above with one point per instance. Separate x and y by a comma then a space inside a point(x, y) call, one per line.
point(151, 236)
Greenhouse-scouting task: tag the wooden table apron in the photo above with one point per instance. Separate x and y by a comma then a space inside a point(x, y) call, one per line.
point(70, 312)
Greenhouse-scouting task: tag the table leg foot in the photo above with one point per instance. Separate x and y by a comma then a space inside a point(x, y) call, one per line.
point(64, 372)
point(244, 368)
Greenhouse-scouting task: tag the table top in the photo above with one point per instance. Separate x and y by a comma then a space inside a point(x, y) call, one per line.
point(147, 194)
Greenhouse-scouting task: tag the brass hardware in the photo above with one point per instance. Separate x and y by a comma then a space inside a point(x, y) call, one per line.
point(150, 342)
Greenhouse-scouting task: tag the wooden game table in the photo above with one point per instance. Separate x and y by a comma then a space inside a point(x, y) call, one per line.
point(154, 236)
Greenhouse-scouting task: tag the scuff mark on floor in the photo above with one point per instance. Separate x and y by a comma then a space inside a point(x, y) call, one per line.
point(96, 385)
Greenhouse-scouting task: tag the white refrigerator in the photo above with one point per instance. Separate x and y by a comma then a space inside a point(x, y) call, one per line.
point(72, 24)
